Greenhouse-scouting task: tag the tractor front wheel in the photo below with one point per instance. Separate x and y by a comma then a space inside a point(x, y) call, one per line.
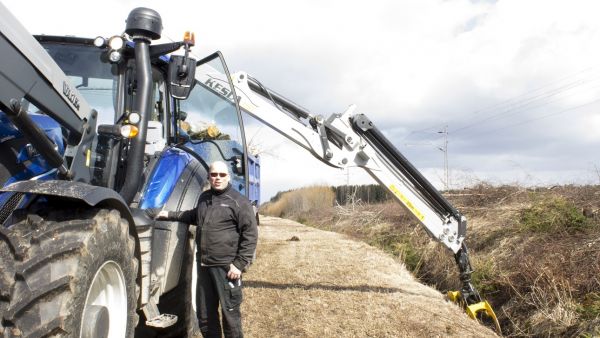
point(69, 273)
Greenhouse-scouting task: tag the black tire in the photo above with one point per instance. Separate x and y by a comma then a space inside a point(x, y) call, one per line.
point(255, 209)
point(47, 264)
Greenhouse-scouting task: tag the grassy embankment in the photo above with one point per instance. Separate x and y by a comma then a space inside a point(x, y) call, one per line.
point(536, 252)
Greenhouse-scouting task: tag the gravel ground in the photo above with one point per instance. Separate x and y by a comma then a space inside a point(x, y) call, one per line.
point(313, 283)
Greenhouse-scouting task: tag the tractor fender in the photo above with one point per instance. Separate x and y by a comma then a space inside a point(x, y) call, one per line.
point(94, 196)
point(90, 194)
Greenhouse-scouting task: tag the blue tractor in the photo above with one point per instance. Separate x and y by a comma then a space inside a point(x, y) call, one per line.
point(95, 134)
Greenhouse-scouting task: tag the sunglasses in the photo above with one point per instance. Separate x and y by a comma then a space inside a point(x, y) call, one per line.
point(218, 174)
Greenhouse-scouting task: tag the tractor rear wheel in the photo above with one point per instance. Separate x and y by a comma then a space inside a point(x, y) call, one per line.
point(68, 273)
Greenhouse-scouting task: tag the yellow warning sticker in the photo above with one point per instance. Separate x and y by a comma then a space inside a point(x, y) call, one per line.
point(407, 203)
point(88, 157)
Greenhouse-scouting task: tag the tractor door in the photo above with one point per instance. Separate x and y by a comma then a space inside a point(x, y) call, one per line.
point(209, 122)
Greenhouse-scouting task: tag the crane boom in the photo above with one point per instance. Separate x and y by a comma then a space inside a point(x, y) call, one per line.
point(349, 139)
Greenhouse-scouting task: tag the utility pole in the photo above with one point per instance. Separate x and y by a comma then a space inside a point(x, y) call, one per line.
point(348, 176)
point(444, 148)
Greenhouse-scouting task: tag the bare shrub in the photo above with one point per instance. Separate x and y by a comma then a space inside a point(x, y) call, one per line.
point(298, 203)
point(483, 197)
point(546, 300)
point(357, 212)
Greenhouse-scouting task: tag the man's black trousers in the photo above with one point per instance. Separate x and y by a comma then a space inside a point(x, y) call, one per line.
point(214, 288)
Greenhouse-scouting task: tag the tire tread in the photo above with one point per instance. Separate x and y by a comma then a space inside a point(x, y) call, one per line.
point(39, 242)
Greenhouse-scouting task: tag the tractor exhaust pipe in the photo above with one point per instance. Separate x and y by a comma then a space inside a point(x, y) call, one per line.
point(144, 25)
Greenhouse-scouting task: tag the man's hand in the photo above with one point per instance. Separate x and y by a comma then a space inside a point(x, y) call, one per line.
point(156, 213)
point(234, 273)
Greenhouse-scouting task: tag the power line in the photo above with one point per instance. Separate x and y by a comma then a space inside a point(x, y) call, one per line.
point(428, 130)
point(548, 84)
point(533, 102)
point(514, 100)
point(444, 148)
point(539, 118)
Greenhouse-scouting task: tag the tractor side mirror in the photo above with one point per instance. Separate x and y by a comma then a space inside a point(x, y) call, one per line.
point(238, 165)
point(182, 72)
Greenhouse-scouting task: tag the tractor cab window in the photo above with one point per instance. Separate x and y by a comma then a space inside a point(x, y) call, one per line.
point(94, 78)
point(97, 81)
point(209, 123)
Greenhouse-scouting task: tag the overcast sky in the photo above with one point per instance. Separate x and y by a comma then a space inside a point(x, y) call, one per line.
point(517, 83)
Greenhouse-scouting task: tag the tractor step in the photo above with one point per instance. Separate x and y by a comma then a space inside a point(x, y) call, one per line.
point(162, 321)
point(155, 319)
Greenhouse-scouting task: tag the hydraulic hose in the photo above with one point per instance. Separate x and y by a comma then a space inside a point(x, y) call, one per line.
point(278, 99)
point(40, 141)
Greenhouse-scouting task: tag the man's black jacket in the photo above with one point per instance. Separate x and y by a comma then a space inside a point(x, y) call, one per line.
point(227, 230)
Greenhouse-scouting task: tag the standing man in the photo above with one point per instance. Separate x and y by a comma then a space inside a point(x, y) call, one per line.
point(227, 236)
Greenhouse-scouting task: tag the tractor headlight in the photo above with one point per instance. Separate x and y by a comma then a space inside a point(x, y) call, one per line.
point(99, 42)
point(114, 56)
point(134, 118)
point(116, 42)
point(115, 46)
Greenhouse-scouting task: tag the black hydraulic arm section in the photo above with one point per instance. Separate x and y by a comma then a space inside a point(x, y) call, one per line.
point(278, 99)
point(469, 294)
point(364, 127)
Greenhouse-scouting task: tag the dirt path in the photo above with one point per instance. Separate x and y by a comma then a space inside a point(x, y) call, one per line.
point(328, 285)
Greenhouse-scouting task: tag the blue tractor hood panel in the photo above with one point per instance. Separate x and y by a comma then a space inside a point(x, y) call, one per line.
point(164, 178)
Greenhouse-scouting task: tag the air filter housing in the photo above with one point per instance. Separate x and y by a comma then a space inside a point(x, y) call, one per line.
point(144, 22)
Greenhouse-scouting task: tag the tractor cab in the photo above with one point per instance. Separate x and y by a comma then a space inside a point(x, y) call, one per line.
point(205, 124)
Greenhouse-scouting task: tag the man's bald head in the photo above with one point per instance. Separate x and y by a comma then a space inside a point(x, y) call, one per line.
point(218, 175)
point(218, 166)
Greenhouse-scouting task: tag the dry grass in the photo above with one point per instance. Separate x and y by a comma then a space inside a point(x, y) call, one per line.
point(536, 252)
point(328, 285)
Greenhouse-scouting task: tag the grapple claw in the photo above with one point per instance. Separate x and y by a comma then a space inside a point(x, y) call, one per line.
point(477, 311)
point(481, 311)
point(454, 296)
